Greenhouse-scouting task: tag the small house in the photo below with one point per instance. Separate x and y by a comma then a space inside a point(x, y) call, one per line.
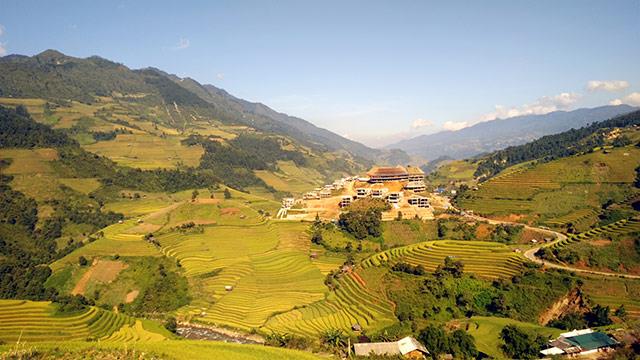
point(325, 193)
point(345, 201)
point(419, 201)
point(288, 202)
point(407, 347)
point(394, 197)
point(362, 192)
point(228, 287)
point(579, 343)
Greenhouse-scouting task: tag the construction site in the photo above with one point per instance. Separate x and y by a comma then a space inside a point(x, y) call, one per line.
point(402, 187)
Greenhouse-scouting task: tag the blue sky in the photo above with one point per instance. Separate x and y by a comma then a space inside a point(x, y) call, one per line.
point(373, 71)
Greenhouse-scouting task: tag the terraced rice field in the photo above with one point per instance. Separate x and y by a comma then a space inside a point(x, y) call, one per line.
point(36, 321)
point(115, 241)
point(169, 349)
point(620, 227)
point(557, 188)
point(581, 219)
point(351, 303)
point(486, 259)
point(615, 292)
point(147, 151)
point(267, 266)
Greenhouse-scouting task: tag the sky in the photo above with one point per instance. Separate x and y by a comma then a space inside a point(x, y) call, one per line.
point(373, 71)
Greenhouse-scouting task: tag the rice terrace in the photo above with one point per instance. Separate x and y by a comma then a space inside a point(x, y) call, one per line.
point(424, 180)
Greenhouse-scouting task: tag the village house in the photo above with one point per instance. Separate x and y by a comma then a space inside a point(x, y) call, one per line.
point(325, 193)
point(288, 202)
point(311, 195)
point(362, 192)
point(407, 347)
point(394, 197)
point(418, 201)
point(579, 343)
point(378, 192)
point(345, 201)
point(384, 174)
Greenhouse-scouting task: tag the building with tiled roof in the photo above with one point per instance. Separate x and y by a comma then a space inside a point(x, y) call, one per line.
point(383, 174)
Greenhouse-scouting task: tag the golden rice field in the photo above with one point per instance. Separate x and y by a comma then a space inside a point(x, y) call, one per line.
point(34, 321)
point(168, 349)
point(486, 259)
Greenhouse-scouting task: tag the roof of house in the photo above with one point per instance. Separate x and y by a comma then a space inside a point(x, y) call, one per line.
point(414, 170)
point(590, 341)
point(400, 347)
point(387, 171)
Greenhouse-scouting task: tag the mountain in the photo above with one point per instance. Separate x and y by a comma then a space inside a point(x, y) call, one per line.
point(501, 133)
point(53, 75)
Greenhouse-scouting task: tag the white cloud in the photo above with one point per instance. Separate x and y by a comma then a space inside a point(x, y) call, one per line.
point(607, 85)
point(454, 126)
point(631, 99)
point(1, 30)
point(182, 44)
point(220, 76)
point(543, 105)
point(420, 123)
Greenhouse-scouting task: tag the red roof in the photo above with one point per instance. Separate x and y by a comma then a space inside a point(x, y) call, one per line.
point(387, 171)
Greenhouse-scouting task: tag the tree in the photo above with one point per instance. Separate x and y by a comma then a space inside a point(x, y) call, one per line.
point(83, 261)
point(334, 339)
point(442, 229)
point(621, 312)
point(399, 217)
point(598, 316)
point(171, 324)
point(435, 340)
point(462, 345)
point(451, 267)
point(316, 238)
point(194, 195)
point(227, 194)
point(518, 344)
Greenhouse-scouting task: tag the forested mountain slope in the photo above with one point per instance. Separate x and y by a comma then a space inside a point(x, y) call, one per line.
point(53, 75)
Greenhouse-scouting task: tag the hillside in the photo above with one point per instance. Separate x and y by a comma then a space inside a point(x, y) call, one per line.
point(180, 103)
point(501, 133)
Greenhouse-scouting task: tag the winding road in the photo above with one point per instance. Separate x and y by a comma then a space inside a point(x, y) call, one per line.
point(531, 253)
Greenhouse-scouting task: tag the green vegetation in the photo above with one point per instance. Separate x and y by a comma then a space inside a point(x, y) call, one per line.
point(550, 192)
point(550, 147)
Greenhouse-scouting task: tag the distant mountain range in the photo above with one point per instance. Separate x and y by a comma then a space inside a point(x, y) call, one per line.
point(501, 133)
point(53, 75)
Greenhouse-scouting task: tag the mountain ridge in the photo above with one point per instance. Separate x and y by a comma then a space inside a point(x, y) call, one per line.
point(52, 74)
point(490, 135)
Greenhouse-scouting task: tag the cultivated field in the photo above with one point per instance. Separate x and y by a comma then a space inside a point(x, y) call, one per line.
point(552, 192)
point(486, 259)
point(32, 321)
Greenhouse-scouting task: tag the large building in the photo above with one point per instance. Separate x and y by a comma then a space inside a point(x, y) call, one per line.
point(384, 174)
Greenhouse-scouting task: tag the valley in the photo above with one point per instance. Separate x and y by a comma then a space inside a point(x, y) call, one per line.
point(138, 207)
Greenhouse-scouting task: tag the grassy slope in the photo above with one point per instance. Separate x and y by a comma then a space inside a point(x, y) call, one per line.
point(551, 192)
point(486, 332)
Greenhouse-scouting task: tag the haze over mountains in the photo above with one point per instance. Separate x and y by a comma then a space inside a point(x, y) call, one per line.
point(501, 133)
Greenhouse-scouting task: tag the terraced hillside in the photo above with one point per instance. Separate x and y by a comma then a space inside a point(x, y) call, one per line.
point(37, 321)
point(352, 302)
point(621, 227)
point(486, 259)
point(558, 192)
point(169, 349)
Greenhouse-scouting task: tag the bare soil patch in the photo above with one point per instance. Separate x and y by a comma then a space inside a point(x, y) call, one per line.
point(600, 242)
point(103, 271)
point(208, 201)
point(229, 211)
point(132, 295)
